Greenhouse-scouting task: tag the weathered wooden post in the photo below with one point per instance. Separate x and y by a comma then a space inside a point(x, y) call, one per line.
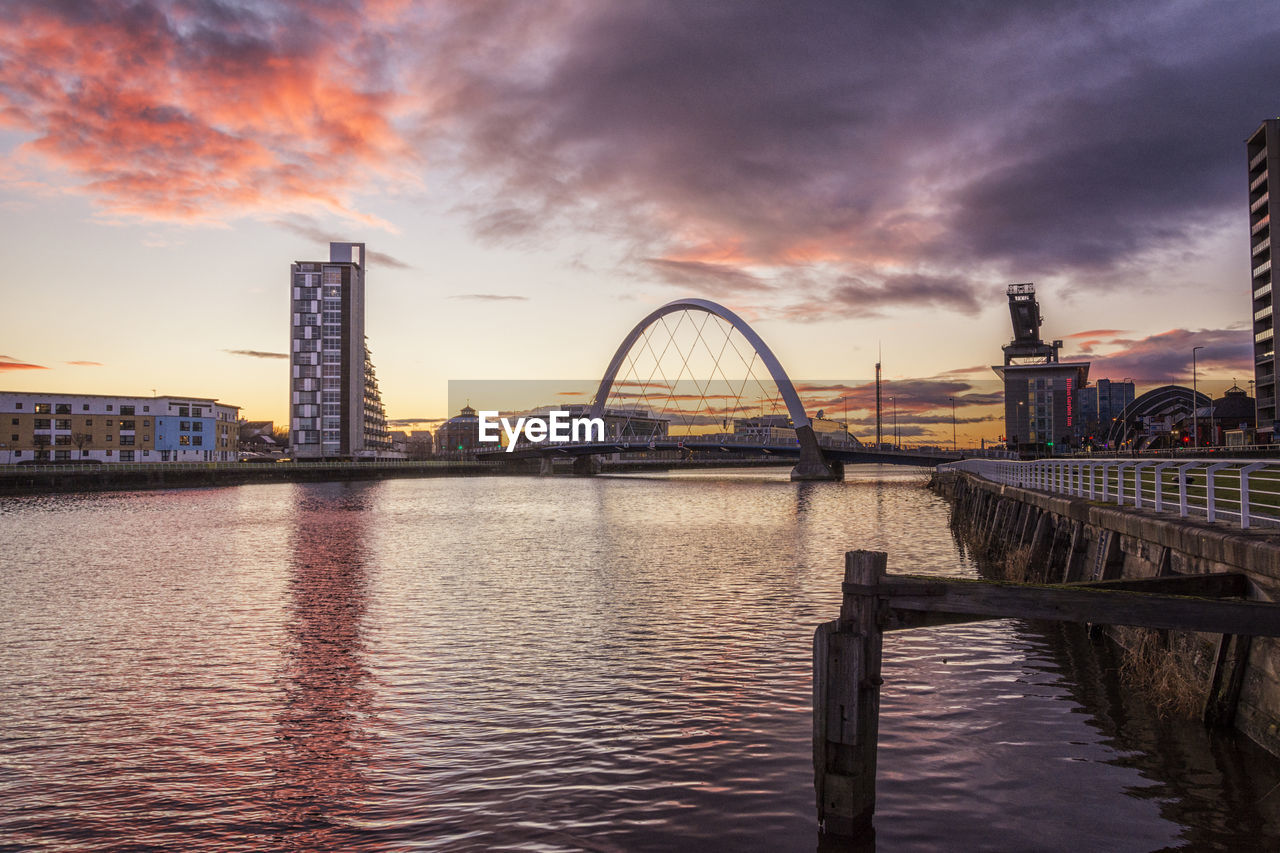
point(846, 701)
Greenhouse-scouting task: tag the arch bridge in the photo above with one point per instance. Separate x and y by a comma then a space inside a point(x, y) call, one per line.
point(636, 370)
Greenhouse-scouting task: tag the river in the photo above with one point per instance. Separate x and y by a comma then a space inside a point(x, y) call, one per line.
point(541, 664)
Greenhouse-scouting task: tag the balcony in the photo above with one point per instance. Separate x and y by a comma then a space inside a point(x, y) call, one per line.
point(1261, 246)
point(1262, 357)
point(1262, 269)
point(1262, 315)
point(1258, 158)
point(1258, 181)
point(1260, 203)
point(1264, 335)
point(1260, 224)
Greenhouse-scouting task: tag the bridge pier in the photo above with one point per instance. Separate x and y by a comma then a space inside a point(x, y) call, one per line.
point(586, 466)
point(546, 466)
point(813, 465)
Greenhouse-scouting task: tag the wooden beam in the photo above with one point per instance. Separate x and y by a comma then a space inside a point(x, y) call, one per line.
point(1223, 696)
point(996, 600)
point(1216, 585)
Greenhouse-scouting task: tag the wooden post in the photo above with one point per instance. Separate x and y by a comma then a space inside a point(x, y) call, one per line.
point(1223, 695)
point(846, 701)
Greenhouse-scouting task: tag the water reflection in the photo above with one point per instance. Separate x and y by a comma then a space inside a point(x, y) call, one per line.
point(1222, 789)
point(542, 664)
point(320, 766)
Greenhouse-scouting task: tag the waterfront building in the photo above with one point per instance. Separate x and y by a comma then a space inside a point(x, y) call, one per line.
point(1088, 423)
point(1112, 399)
point(1234, 411)
point(1041, 394)
point(460, 435)
point(1160, 418)
point(1263, 148)
point(764, 429)
point(101, 428)
point(335, 409)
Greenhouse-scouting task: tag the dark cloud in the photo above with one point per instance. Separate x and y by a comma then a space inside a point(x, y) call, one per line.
point(414, 421)
point(818, 159)
point(879, 147)
point(1167, 356)
point(490, 297)
point(856, 297)
point(908, 395)
point(253, 353)
point(7, 363)
point(704, 278)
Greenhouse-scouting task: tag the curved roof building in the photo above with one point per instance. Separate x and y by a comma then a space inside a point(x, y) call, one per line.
point(1168, 401)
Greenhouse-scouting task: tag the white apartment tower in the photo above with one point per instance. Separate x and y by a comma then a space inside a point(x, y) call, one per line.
point(1264, 158)
point(335, 409)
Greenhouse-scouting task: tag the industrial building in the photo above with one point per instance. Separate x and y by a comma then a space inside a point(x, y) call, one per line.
point(335, 407)
point(1041, 394)
point(57, 427)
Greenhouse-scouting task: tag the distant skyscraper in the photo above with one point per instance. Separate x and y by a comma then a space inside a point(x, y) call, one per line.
point(1112, 398)
point(335, 408)
point(1264, 158)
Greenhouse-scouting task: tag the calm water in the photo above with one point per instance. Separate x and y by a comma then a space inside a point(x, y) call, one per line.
point(617, 663)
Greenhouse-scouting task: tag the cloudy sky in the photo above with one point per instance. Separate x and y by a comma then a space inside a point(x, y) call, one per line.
point(532, 178)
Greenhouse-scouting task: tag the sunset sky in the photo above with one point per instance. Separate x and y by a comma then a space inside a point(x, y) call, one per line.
point(532, 178)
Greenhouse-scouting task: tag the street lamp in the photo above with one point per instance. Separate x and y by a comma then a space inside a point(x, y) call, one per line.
point(953, 423)
point(1195, 409)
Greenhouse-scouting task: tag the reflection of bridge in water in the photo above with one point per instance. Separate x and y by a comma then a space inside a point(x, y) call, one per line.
point(639, 377)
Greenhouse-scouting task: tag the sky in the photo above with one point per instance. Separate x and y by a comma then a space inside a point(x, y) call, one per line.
point(533, 178)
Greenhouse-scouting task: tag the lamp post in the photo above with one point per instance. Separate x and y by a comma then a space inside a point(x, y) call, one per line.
point(953, 423)
point(1195, 409)
point(845, 402)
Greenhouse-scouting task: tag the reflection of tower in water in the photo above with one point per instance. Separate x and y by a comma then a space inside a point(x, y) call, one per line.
point(320, 768)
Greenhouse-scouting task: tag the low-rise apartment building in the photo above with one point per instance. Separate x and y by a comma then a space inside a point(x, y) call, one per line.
point(100, 428)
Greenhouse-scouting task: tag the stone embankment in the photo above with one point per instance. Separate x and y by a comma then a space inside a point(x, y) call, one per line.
point(75, 478)
point(1036, 537)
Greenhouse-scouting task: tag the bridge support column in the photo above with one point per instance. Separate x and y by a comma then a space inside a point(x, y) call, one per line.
point(586, 466)
point(813, 465)
point(546, 466)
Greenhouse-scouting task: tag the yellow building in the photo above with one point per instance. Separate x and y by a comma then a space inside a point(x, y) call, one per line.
point(54, 427)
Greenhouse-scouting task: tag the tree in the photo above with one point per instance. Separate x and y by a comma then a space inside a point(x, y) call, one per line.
point(81, 440)
point(281, 435)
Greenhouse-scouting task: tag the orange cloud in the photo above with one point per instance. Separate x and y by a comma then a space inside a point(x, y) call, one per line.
point(7, 363)
point(161, 114)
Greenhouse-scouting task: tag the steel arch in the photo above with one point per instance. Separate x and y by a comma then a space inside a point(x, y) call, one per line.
point(799, 418)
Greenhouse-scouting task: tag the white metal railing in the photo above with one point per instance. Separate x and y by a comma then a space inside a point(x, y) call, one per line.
point(1241, 491)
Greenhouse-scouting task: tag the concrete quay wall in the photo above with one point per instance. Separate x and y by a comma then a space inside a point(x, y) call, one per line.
point(179, 476)
point(1042, 538)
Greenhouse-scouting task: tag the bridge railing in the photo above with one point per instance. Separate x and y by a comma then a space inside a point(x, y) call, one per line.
point(1245, 492)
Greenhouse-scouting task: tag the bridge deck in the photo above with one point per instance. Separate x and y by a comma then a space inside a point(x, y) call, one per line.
point(785, 451)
